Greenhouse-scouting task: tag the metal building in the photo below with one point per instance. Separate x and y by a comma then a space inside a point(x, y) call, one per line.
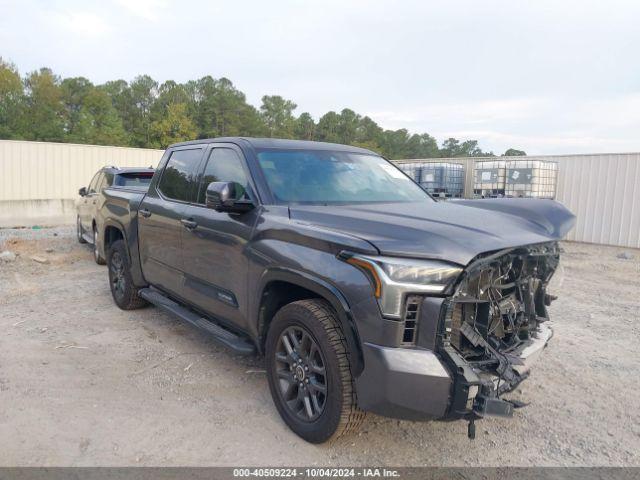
point(602, 190)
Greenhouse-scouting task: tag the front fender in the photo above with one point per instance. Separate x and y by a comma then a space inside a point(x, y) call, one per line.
point(326, 291)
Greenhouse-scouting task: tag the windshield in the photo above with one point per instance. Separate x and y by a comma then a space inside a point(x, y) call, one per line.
point(324, 177)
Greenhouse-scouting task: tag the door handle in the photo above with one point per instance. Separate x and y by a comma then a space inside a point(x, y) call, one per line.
point(189, 224)
point(145, 213)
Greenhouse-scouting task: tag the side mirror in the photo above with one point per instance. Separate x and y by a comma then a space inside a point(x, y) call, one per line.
point(83, 191)
point(221, 197)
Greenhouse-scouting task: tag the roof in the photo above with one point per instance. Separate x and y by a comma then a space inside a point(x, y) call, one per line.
point(279, 143)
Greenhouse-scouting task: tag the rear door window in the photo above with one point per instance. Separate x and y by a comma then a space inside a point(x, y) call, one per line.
point(180, 177)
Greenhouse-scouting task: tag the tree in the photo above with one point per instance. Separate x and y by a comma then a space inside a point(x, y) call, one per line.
point(369, 134)
point(221, 109)
point(348, 123)
point(122, 100)
point(11, 101)
point(422, 146)
point(453, 148)
point(74, 91)
point(277, 113)
point(98, 121)
point(142, 113)
point(394, 143)
point(143, 94)
point(305, 127)
point(512, 152)
point(175, 126)
point(44, 110)
point(328, 129)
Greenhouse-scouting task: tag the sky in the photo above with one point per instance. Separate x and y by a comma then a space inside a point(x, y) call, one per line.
point(548, 77)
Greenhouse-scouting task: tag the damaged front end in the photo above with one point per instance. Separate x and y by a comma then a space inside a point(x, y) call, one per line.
point(494, 327)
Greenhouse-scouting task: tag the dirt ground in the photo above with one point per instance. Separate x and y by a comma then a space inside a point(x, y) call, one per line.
point(83, 383)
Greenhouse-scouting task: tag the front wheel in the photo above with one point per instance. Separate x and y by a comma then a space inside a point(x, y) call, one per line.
point(309, 372)
point(124, 292)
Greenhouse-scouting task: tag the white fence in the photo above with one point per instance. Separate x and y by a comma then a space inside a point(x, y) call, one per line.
point(39, 182)
point(602, 190)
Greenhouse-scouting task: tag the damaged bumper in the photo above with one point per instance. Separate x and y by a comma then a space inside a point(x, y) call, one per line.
point(472, 346)
point(420, 385)
point(481, 390)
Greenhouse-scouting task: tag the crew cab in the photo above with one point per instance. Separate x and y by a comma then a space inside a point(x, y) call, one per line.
point(91, 199)
point(361, 291)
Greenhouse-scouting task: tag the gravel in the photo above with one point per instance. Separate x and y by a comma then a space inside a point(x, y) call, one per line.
point(83, 383)
point(7, 256)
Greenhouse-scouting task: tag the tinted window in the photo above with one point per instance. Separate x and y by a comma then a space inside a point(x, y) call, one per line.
point(322, 177)
point(94, 183)
point(108, 179)
point(140, 179)
point(224, 165)
point(102, 182)
point(180, 175)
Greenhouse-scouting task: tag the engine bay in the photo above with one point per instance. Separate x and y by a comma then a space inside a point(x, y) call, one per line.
point(497, 309)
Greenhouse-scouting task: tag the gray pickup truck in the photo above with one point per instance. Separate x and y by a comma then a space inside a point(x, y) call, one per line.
point(361, 291)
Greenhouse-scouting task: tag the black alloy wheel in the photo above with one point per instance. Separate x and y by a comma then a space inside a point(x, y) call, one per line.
point(300, 368)
point(123, 289)
point(309, 371)
point(117, 276)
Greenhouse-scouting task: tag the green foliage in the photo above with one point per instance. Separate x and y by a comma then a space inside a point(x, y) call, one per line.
point(11, 101)
point(144, 91)
point(305, 127)
point(143, 113)
point(452, 147)
point(99, 123)
point(172, 127)
point(512, 152)
point(277, 114)
point(44, 117)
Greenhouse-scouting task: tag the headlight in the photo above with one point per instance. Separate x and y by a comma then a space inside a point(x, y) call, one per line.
point(394, 278)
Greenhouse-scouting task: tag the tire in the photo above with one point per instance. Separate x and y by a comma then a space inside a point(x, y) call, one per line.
point(291, 362)
point(79, 231)
point(96, 252)
point(123, 291)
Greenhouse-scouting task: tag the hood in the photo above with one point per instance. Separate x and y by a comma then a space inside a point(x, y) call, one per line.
point(456, 231)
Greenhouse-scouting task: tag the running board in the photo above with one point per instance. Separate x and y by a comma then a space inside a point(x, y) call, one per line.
point(236, 343)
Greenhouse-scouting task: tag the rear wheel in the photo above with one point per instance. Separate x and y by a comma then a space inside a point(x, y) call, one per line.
point(124, 292)
point(79, 231)
point(309, 372)
point(96, 251)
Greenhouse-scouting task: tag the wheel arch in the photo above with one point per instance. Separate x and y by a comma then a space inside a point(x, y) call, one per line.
point(113, 231)
point(280, 286)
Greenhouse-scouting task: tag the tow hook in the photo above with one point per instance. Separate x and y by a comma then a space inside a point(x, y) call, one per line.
point(471, 429)
point(490, 406)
